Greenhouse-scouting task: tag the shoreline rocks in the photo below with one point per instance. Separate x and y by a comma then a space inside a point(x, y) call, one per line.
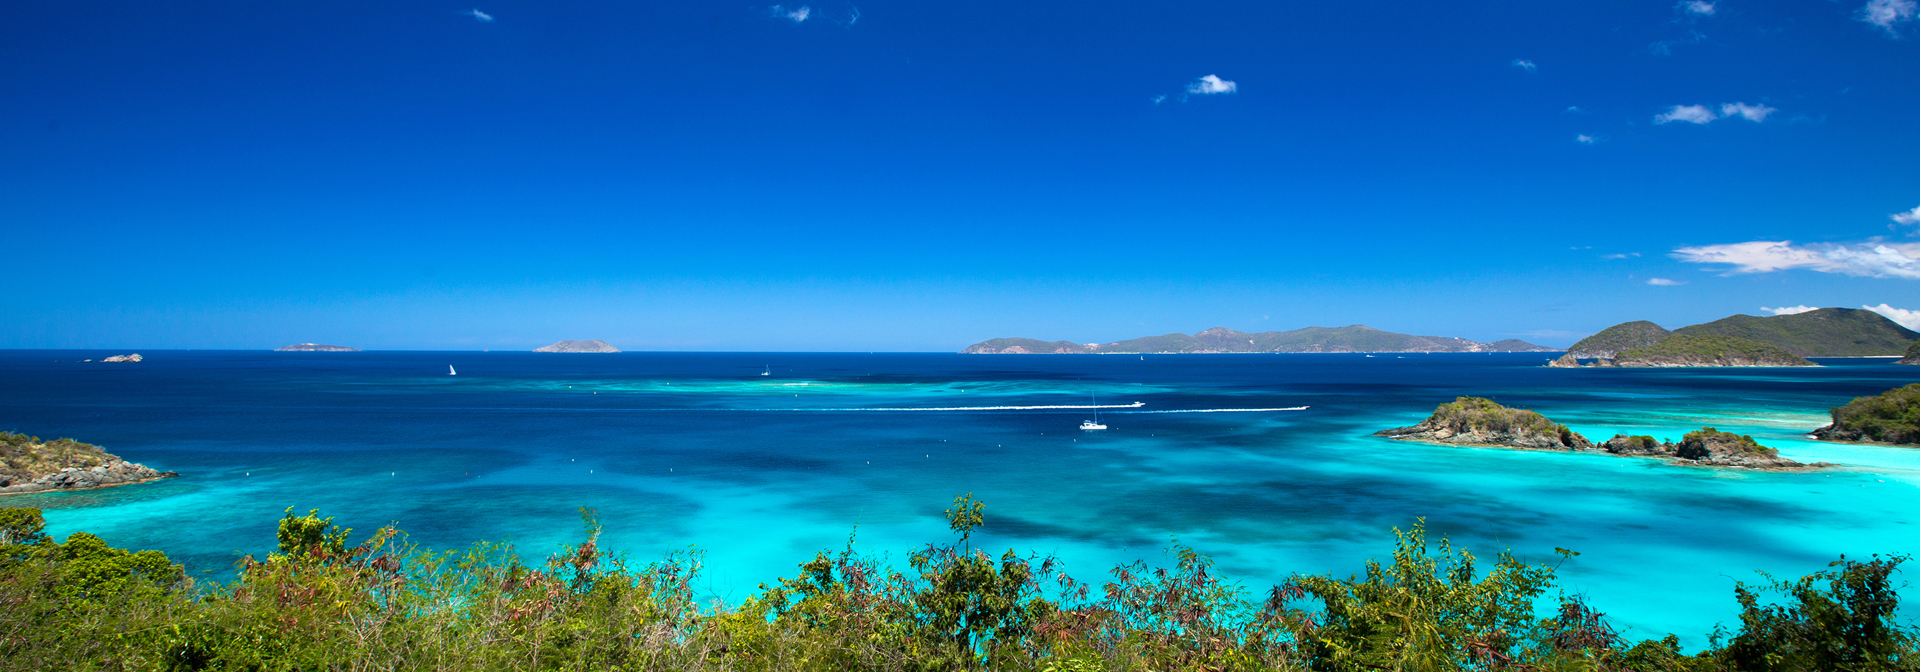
point(135, 357)
point(31, 465)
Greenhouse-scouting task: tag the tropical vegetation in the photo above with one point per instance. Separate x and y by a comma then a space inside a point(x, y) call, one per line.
point(1889, 417)
point(324, 602)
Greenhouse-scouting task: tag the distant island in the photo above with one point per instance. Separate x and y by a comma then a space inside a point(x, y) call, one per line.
point(1746, 340)
point(314, 347)
point(28, 464)
point(591, 345)
point(1889, 417)
point(1474, 421)
point(1354, 338)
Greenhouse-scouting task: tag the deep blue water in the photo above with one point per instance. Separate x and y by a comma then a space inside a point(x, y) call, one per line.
point(679, 449)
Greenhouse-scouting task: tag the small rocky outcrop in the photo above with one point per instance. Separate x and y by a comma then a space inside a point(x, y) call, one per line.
point(28, 464)
point(590, 345)
point(135, 357)
point(1713, 447)
point(1476, 421)
point(1913, 354)
point(1889, 417)
point(314, 347)
point(1707, 447)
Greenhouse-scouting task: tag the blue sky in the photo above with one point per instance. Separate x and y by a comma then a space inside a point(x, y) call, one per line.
point(919, 176)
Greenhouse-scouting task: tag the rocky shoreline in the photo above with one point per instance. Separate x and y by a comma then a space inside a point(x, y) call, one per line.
point(1474, 421)
point(32, 466)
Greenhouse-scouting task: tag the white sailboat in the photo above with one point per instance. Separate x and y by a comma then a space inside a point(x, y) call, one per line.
point(767, 372)
point(450, 371)
point(1095, 422)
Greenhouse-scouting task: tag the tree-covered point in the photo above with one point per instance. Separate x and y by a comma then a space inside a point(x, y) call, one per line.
point(20, 453)
point(322, 603)
point(1692, 350)
point(1618, 338)
point(1889, 417)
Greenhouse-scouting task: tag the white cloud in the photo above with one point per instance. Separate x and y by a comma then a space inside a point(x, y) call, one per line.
point(1753, 113)
point(480, 15)
point(1888, 13)
point(1576, 109)
point(1790, 310)
point(1697, 7)
point(1160, 99)
point(1906, 318)
point(1525, 64)
point(1620, 256)
point(1909, 217)
point(1663, 282)
point(1212, 84)
point(794, 15)
point(1692, 114)
point(1585, 139)
point(1873, 260)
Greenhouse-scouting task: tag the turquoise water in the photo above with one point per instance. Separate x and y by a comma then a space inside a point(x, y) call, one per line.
point(679, 449)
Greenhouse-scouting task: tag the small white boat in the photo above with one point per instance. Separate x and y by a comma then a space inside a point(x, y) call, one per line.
point(450, 370)
point(767, 372)
point(1093, 424)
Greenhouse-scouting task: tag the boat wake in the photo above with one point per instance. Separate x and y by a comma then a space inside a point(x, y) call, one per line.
point(1225, 410)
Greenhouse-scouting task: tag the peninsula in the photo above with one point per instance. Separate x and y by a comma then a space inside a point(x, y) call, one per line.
point(1353, 338)
point(1889, 417)
point(1474, 421)
point(594, 345)
point(28, 464)
point(1745, 340)
point(1912, 356)
point(314, 347)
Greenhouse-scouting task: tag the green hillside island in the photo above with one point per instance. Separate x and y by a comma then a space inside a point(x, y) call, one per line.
point(1746, 340)
point(1354, 338)
point(1890, 417)
point(324, 601)
point(1913, 354)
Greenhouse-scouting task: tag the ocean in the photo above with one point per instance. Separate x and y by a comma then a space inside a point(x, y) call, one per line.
point(759, 472)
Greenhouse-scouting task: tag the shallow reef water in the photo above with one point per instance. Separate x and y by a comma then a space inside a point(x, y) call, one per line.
point(679, 450)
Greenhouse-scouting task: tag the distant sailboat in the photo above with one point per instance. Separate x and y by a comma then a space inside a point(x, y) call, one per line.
point(767, 372)
point(1095, 422)
point(450, 371)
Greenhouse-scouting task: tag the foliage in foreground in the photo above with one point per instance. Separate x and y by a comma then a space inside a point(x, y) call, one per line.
point(320, 603)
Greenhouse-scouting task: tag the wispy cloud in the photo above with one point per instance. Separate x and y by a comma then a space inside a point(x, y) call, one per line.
point(1586, 139)
point(1665, 47)
point(1889, 13)
point(1697, 8)
point(1692, 114)
point(1525, 64)
point(1663, 282)
point(1753, 113)
point(1909, 218)
point(1906, 318)
point(478, 15)
point(1619, 256)
point(1160, 99)
point(1212, 84)
point(1790, 310)
point(798, 15)
point(1576, 109)
point(1874, 260)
